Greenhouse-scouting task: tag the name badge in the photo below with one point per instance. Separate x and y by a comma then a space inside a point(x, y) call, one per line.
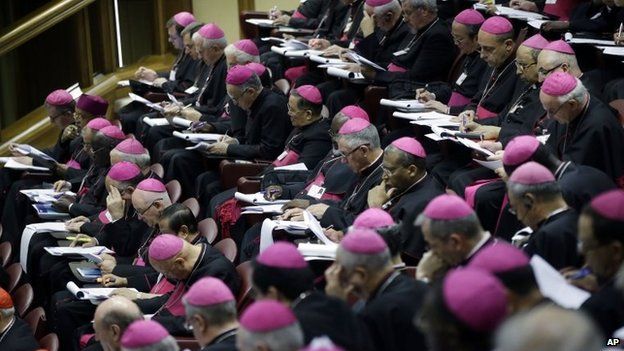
point(551, 2)
point(399, 53)
point(282, 155)
point(191, 90)
point(172, 74)
point(316, 191)
point(461, 78)
point(352, 45)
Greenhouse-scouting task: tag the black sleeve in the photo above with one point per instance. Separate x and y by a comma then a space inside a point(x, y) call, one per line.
point(337, 217)
point(86, 210)
point(173, 324)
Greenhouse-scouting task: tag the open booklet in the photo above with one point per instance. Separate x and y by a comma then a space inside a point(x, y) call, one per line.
point(554, 286)
point(12, 164)
point(91, 293)
point(146, 102)
point(403, 104)
point(257, 199)
point(361, 60)
point(32, 151)
point(82, 251)
point(45, 195)
point(45, 211)
point(198, 137)
point(177, 122)
point(293, 52)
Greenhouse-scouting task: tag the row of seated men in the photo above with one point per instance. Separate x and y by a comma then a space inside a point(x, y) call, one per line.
point(508, 91)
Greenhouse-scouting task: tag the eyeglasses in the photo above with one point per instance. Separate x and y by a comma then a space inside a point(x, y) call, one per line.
point(142, 212)
point(188, 325)
point(235, 99)
point(524, 67)
point(546, 72)
point(345, 155)
point(551, 114)
point(388, 171)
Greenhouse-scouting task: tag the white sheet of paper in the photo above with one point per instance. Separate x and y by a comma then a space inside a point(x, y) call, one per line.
point(277, 209)
point(257, 199)
point(493, 165)
point(475, 146)
point(260, 21)
point(342, 73)
point(33, 151)
point(513, 13)
point(45, 211)
point(363, 61)
point(266, 233)
point(62, 250)
point(403, 104)
point(90, 293)
point(592, 41)
point(325, 60)
point(182, 122)
point(294, 167)
point(537, 24)
point(309, 250)
point(154, 122)
point(12, 164)
point(543, 138)
point(316, 228)
point(198, 137)
point(617, 51)
point(554, 286)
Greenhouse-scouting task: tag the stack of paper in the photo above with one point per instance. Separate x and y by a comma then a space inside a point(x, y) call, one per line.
point(91, 293)
point(263, 209)
point(591, 41)
point(316, 251)
point(409, 105)
point(12, 164)
point(293, 167)
point(45, 195)
point(199, 137)
point(342, 73)
point(260, 22)
point(45, 211)
point(71, 251)
point(554, 286)
point(146, 102)
point(257, 199)
point(32, 151)
point(316, 228)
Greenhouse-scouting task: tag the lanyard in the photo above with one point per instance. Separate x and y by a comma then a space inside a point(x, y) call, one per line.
point(358, 187)
point(489, 88)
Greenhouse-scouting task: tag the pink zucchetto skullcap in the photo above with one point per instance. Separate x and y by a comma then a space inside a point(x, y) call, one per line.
point(247, 46)
point(499, 258)
point(375, 3)
point(183, 19)
point(282, 255)
point(92, 104)
point(258, 68)
point(531, 173)
point(520, 149)
point(559, 84)
point(131, 147)
point(152, 185)
point(447, 207)
point(165, 247)
point(470, 17)
point(537, 42)
point(59, 97)
point(322, 343)
point(363, 242)
point(497, 25)
point(98, 123)
point(266, 316)
point(410, 146)
point(310, 93)
point(353, 126)
point(373, 218)
point(123, 171)
point(476, 298)
point(211, 31)
point(610, 205)
point(208, 291)
point(143, 333)
point(113, 132)
point(560, 46)
point(238, 75)
point(353, 111)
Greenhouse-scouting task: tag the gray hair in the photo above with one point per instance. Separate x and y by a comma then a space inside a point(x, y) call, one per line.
point(192, 28)
point(549, 328)
point(253, 82)
point(141, 160)
point(289, 338)
point(121, 317)
point(207, 43)
point(217, 315)
point(7, 312)
point(371, 263)
point(559, 58)
point(429, 5)
point(544, 191)
point(167, 344)
point(468, 226)
point(242, 57)
point(368, 135)
point(393, 6)
point(576, 94)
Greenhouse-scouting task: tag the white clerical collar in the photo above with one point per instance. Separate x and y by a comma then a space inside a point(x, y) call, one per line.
point(484, 239)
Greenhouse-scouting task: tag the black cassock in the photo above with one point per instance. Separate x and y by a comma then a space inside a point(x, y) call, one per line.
point(407, 207)
point(322, 315)
point(19, 337)
point(223, 342)
point(594, 138)
point(555, 240)
point(341, 216)
point(606, 307)
point(389, 314)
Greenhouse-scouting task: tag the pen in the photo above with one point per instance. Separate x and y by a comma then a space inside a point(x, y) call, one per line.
point(582, 273)
point(82, 240)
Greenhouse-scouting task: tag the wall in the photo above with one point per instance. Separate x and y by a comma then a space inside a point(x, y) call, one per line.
point(222, 12)
point(265, 5)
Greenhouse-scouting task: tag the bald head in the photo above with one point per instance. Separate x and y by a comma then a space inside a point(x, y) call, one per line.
point(180, 264)
point(550, 61)
point(149, 205)
point(111, 319)
point(549, 328)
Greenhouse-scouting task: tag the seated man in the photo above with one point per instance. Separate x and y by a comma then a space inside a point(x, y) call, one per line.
point(111, 319)
point(392, 300)
point(147, 335)
point(210, 310)
point(257, 332)
point(281, 273)
point(15, 334)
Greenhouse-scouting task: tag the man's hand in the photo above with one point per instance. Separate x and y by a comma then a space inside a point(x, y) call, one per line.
point(292, 214)
point(423, 95)
point(191, 114)
point(319, 44)
point(125, 292)
point(113, 281)
point(430, 266)
point(317, 210)
point(61, 168)
point(219, 148)
point(70, 133)
point(488, 132)
point(62, 204)
point(108, 263)
point(437, 106)
point(81, 241)
point(558, 26)
point(145, 73)
point(13, 150)
point(273, 192)
point(468, 116)
point(228, 140)
point(353, 67)
point(335, 286)
point(61, 185)
point(334, 50)
point(158, 82)
point(334, 235)
point(523, 5)
point(368, 72)
point(588, 282)
point(296, 203)
point(378, 195)
point(618, 38)
point(115, 204)
point(493, 146)
point(282, 20)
